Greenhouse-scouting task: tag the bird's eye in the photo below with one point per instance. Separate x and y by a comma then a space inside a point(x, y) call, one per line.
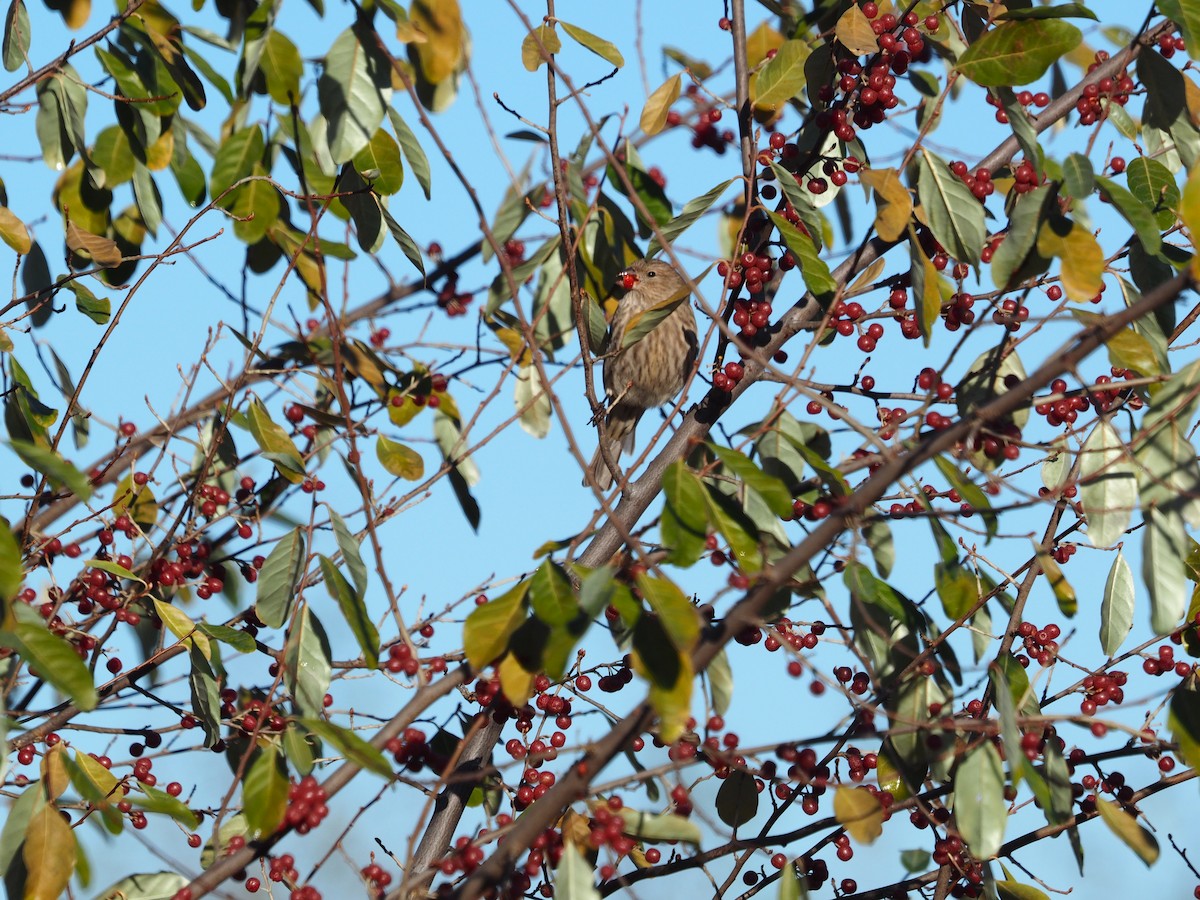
point(651, 274)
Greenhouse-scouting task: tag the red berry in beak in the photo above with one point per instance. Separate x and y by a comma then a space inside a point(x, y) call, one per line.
point(627, 280)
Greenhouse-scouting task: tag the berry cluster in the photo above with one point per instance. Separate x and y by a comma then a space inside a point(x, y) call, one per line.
point(1010, 314)
point(1116, 90)
point(413, 752)
point(1102, 690)
point(1026, 98)
point(1165, 662)
point(1169, 44)
point(453, 301)
point(704, 130)
point(727, 379)
point(306, 805)
point(1040, 643)
point(979, 182)
point(1105, 399)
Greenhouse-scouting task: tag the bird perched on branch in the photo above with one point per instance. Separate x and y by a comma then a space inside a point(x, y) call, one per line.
point(650, 352)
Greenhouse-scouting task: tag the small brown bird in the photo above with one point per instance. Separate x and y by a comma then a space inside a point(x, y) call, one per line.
point(648, 373)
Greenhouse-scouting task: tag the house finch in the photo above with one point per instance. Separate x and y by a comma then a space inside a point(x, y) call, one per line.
point(648, 373)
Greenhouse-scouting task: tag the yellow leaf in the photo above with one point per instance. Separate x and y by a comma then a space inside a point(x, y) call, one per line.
point(762, 41)
point(182, 627)
point(671, 704)
point(13, 231)
point(401, 407)
point(531, 53)
point(1063, 592)
point(1081, 256)
point(1191, 94)
point(516, 683)
point(442, 50)
point(892, 200)
point(654, 116)
point(76, 13)
point(517, 349)
point(1189, 212)
point(159, 154)
point(857, 810)
point(854, 30)
point(54, 772)
point(103, 252)
point(49, 854)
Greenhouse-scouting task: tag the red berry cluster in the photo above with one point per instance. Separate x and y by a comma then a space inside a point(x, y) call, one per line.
point(752, 269)
point(1106, 399)
point(1115, 90)
point(1000, 442)
point(951, 851)
point(607, 828)
point(413, 752)
point(1165, 662)
point(1102, 690)
point(1169, 44)
point(733, 372)
point(379, 337)
point(306, 805)
point(705, 133)
point(1063, 410)
point(980, 182)
point(450, 299)
point(1039, 643)
point(1010, 314)
point(250, 715)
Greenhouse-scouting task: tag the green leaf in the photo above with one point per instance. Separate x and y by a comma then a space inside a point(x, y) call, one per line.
point(353, 748)
point(770, 488)
point(51, 656)
point(955, 216)
point(1014, 890)
point(737, 799)
point(1134, 212)
point(235, 160)
point(1153, 184)
point(113, 153)
point(16, 36)
point(155, 801)
point(1116, 610)
point(970, 492)
point(280, 578)
point(792, 885)
point(306, 666)
point(282, 68)
point(265, 792)
point(654, 114)
point(349, 545)
point(575, 877)
point(353, 92)
point(1163, 551)
point(782, 77)
point(275, 443)
point(1126, 827)
point(1078, 176)
point(413, 152)
point(606, 50)
point(61, 473)
point(659, 827)
point(1062, 11)
point(380, 164)
point(407, 244)
point(1184, 722)
point(206, 699)
point(354, 611)
point(685, 515)
point(488, 628)
point(399, 460)
point(980, 810)
point(1018, 52)
point(1008, 262)
point(551, 595)
point(11, 574)
point(1107, 485)
point(813, 269)
point(739, 532)
point(691, 212)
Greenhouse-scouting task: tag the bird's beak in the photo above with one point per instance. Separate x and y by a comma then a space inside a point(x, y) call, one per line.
point(627, 280)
